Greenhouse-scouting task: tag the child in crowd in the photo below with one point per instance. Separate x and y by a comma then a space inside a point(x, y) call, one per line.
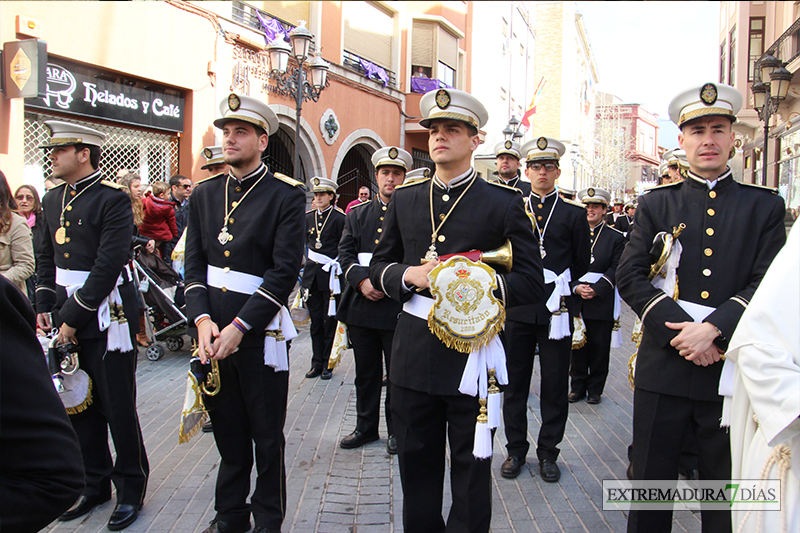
point(159, 216)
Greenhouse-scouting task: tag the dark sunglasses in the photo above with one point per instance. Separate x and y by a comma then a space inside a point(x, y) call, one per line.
point(24, 197)
point(185, 186)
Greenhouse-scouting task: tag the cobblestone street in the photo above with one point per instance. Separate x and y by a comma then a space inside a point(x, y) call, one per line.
point(331, 490)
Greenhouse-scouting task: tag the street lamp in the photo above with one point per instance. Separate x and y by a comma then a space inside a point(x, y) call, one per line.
point(511, 131)
point(767, 96)
point(575, 153)
point(293, 81)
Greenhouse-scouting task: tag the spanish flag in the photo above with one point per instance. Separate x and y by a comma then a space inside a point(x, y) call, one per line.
point(532, 107)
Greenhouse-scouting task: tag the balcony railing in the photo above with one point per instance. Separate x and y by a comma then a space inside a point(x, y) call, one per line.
point(786, 48)
point(357, 63)
point(248, 15)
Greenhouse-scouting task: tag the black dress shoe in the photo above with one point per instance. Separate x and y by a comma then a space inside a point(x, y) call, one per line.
point(549, 470)
point(219, 526)
point(208, 428)
point(83, 506)
point(575, 397)
point(124, 515)
point(594, 399)
point(314, 372)
point(357, 439)
point(391, 445)
point(326, 374)
point(511, 467)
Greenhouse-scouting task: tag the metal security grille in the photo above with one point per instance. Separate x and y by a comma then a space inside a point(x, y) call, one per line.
point(153, 156)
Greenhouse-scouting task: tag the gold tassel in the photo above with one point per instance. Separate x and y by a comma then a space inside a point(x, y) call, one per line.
point(84, 404)
point(632, 369)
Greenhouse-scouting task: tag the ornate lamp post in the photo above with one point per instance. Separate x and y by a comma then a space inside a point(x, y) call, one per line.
point(511, 131)
point(767, 96)
point(293, 81)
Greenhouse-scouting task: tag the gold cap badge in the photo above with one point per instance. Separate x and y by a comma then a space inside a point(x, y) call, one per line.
point(590, 191)
point(393, 152)
point(233, 102)
point(442, 99)
point(208, 153)
point(541, 143)
point(316, 181)
point(508, 145)
point(708, 94)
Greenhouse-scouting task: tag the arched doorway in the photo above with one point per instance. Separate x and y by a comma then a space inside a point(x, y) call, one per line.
point(355, 171)
point(280, 152)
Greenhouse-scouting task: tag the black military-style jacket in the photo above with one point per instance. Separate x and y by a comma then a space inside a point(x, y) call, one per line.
point(484, 219)
point(566, 243)
point(732, 233)
point(362, 231)
point(606, 249)
point(98, 225)
point(518, 183)
point(624, 224)
point(267, 229)
point(331, 225)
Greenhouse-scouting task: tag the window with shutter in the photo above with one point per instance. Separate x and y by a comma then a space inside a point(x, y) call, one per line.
point(422, 43)
point(368, 32)
point(448, 48)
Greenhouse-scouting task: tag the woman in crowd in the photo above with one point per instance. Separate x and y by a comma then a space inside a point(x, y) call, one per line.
point(29, 206)
point(16, 245)
point(133, 186)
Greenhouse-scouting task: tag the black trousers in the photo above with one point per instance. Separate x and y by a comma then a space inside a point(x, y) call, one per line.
point(660, 426)
point(520, 341)
point(421, 422)
point(250, 407)
point(589, 365)
point(113, 408)
point(368, 345)
point(323, 327)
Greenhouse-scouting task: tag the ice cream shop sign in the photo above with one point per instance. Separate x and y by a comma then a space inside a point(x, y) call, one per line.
point(85, 91)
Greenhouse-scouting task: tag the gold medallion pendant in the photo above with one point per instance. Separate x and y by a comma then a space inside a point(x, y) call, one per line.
point(61, 235)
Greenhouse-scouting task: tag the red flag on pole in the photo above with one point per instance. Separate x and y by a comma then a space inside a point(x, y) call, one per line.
point(532, 107)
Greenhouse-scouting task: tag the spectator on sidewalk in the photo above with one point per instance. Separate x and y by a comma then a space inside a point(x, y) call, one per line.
point(363, 196)
point(159, 217)
point(180, 190)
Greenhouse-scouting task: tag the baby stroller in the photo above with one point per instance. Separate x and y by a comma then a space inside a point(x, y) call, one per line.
point(162, 294)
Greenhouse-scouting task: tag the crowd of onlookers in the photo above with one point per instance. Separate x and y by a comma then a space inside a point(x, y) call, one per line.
point(160, 213)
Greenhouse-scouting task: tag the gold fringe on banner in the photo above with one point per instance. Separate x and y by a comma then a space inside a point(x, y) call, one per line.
point(579, 333)
point(84, 404)
point(465, 345)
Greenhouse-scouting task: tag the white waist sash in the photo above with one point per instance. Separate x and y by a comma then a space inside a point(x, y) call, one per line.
point(279, 330)
point(474, 380)
point(118, 337)
point(559, 324)
point(364, 258)
point(335, 269)
point(232, 280)
point(72, 280)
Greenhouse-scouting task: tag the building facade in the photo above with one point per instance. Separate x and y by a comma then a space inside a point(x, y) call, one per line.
point(503, 72)
point(747, 31)
point(152, 75)
point(565, 107)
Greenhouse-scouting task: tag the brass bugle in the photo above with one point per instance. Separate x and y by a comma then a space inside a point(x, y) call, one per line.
point(212, 384)
point(502, 257)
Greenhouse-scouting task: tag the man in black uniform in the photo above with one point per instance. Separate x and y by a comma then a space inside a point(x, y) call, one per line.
point(599, 300)
point(616, 212)
point(626, 221)
point(238, 280)
point(370, 317)
point(507, 156)
point(85, 289)
point(324, 226)
point(564, 247)
point(428, 218)
point(731, 232)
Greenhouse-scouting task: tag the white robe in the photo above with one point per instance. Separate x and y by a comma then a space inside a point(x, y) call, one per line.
point(765, 430)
